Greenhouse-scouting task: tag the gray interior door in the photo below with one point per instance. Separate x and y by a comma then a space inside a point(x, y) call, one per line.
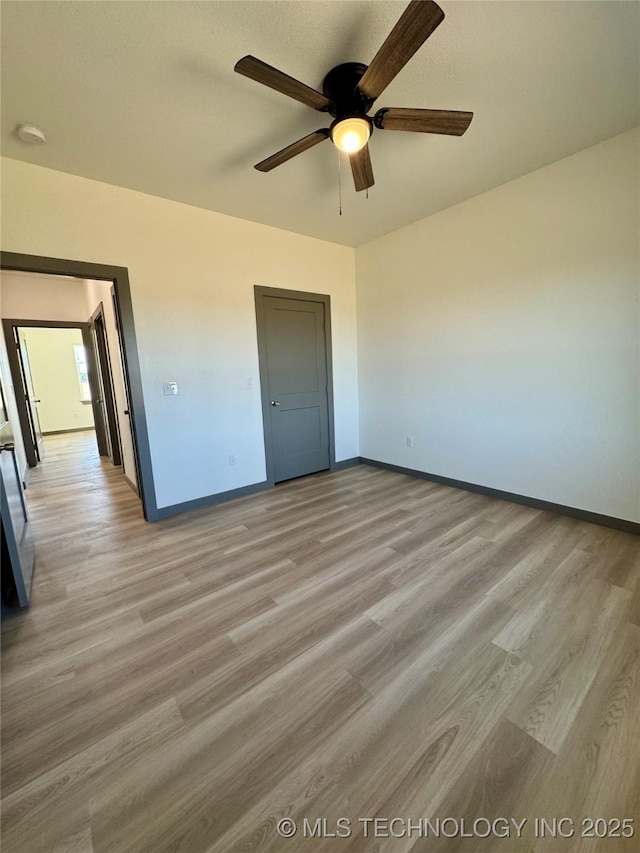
point(30, 396)
point(106, 384)
point(18, 553)
point(296, 375)
point(127, 410)
point(97, 390)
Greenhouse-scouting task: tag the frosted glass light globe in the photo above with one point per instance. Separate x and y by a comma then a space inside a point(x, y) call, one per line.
point(351, 134)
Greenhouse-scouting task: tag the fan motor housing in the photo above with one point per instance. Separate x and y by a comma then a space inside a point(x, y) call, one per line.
point(340, 85)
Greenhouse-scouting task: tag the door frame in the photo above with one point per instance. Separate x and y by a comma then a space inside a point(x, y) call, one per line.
point(259, 294)
point(9, 326)
point(106, 373)
point(119, 277)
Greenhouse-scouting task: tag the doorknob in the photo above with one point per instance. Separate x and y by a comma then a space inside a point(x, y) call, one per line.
point(275, 402)
point(7, 447)
point(37, 401)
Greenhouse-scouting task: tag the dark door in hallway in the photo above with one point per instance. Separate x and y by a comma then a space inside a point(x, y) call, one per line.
point(295, 368)
point(107, 430)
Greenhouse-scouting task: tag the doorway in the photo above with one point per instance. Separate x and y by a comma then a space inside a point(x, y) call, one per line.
point(57, 384)
point(131, 400)
point(294, 350)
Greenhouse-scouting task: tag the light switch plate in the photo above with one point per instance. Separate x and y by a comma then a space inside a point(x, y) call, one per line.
point(170, 388)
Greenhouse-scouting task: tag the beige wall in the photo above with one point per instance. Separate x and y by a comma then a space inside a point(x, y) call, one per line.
point(26, 296)
point(55, 379)
point(192, 274)
point(503, 333)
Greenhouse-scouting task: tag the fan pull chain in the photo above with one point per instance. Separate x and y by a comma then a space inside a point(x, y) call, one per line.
point(340, 181)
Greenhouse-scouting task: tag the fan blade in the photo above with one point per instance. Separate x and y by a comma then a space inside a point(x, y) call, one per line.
point(259, 71)
point(416, 24)
point(361, 169)
point(291, 150)
point(450, 122)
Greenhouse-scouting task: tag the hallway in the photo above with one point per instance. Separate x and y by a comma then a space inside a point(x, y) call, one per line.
point(74, 498)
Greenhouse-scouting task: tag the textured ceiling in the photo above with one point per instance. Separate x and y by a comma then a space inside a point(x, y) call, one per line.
point(143, 95)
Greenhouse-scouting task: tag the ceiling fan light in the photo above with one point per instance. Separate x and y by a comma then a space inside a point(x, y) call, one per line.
point(351, 134)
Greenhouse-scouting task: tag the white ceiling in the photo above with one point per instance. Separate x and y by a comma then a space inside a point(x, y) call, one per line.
point(143, 95)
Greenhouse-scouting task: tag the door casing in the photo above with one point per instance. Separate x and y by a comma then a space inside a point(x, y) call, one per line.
point(119, 277)
point(299, 295)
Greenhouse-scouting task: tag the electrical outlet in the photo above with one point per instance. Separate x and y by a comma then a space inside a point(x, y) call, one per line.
point(232, 459)
point(409, 441)
point(249, 384)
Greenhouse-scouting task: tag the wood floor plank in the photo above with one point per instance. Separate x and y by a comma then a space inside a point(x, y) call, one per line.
point(28, 814)
point(547, 708)
point(498, 782)
point(419, 728)
point(597, 774)
point(352, 644)
point(540, 626)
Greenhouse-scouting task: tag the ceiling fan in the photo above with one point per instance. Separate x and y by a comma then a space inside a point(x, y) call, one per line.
point(349, 91)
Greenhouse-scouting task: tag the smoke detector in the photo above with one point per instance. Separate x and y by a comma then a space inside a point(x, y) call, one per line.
point(30, 134)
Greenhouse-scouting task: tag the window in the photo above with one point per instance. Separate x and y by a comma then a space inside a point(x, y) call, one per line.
point(83, 377)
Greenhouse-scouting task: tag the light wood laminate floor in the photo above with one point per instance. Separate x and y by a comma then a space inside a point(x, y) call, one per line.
point(351, 645)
